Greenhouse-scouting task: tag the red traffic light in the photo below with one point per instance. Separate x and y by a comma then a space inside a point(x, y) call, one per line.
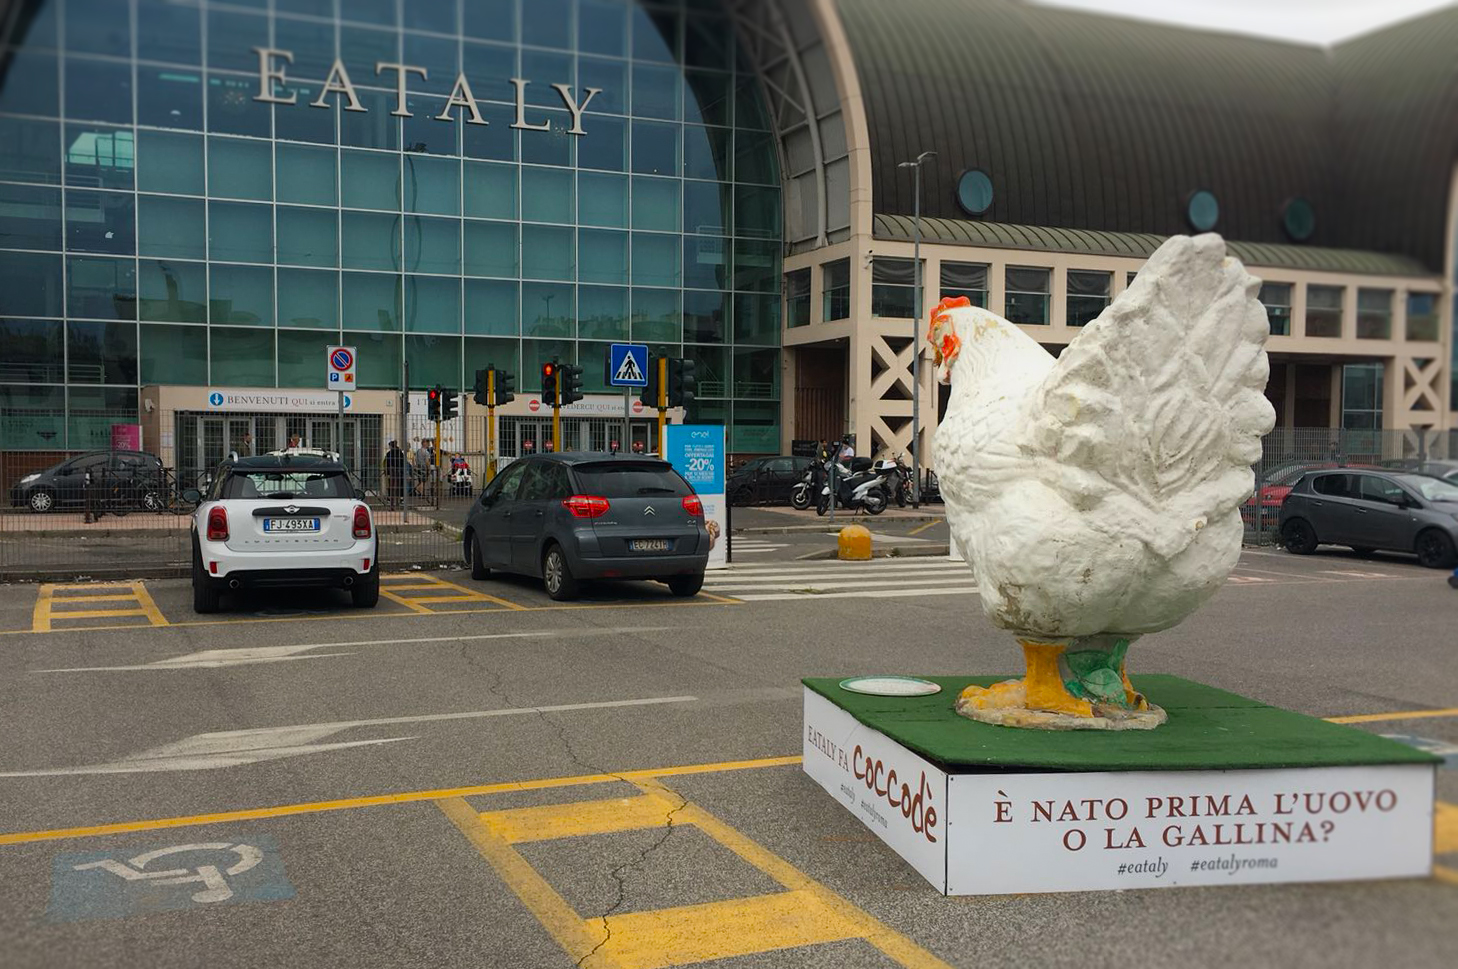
point(433, 393)
point(548, 369)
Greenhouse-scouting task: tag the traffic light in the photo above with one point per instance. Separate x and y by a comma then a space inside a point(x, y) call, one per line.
point(549, 383)
point(481, 387)
point(505, 387)
point(571, 378)
point(649, 394)
point(432, 405)
point(681, 382)
point(449, 405)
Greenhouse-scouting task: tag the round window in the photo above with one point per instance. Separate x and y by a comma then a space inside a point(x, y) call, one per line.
point(974, 192)
point(1202, 210)
point(1298, 218)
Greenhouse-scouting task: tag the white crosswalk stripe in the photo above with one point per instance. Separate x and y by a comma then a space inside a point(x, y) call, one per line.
point(755, 546)
point(832, 579)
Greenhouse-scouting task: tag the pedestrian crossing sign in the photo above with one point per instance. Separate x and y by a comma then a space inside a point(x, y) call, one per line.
point(628, 365)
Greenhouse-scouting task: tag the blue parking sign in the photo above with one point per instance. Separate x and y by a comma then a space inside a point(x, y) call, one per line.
point(628, 365)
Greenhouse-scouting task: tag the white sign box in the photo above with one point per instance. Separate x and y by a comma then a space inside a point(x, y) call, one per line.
point(895, 793)
point(1007, 832)
point(1154, 829)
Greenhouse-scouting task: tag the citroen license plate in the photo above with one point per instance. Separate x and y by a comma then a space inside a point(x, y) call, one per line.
point(291, 524)
point(648, 545)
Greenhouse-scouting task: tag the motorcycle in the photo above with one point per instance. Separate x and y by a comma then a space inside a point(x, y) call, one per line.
point(900, 481)
point(802, 496)
point(855, 490)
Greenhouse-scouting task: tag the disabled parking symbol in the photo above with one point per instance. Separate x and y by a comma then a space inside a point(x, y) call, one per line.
point(117, 884)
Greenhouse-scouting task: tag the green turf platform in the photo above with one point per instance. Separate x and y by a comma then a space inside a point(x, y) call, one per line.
point(1208, 729)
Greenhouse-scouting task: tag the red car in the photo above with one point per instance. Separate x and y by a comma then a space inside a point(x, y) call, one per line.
point(1275, 487)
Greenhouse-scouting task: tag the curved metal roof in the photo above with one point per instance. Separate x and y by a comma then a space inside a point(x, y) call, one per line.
point(1397, 141)
point(1139, 245)
point(1093, 122)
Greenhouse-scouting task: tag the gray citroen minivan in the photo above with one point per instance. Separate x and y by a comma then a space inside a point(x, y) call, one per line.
point(570, 517)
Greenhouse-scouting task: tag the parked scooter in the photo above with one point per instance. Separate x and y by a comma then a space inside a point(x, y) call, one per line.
point(900, 481)
point(858, 490)
point(812, 482)
point(802, 496)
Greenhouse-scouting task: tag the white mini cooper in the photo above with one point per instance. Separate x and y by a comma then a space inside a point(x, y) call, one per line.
point(283, 519)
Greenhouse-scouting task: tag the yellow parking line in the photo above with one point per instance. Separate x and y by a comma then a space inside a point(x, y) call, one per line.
point(47, 601)
point(892, 943)
point(921, 528)
point(806, 913)
point(723, 599)
point(344, 804)
point(446, 583)
point(1396, 715)
point(96, 613)
point(431, 583)
point(720, 930)
point(606, 816)
point(1445, 828)
point(407, 603)
point(556, 916)
point(504, 606)
point(40, 620)
point(149, 608)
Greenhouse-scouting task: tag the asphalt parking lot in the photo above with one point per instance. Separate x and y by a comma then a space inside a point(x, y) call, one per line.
point(472, 774)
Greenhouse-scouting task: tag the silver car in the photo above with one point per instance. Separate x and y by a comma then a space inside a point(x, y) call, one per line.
point(1370, 510)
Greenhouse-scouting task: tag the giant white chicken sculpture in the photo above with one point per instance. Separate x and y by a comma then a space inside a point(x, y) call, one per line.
point(1097, 495)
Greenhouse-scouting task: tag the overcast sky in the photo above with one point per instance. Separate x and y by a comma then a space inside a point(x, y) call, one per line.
point(1302, 21)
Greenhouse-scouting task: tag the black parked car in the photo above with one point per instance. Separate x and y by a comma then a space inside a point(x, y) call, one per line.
point(765, 480)
point(574, 516)
point(137, 475)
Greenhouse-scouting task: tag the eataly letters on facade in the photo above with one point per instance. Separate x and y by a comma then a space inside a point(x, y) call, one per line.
point(272, 70)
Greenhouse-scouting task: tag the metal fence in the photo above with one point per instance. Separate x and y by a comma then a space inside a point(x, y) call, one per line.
point(99, 511)
point(118, 517)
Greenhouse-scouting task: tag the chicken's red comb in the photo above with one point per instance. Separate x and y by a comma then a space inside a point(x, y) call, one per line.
point(948, 302)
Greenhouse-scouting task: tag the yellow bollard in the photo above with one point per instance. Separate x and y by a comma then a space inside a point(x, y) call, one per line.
point(855, 543)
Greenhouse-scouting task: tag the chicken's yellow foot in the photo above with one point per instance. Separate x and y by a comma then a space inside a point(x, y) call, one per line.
point(1045, 687)
point(1079, 684)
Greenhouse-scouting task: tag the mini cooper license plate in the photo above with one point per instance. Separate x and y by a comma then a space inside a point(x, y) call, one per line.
point(648, 545)
point(291, 524)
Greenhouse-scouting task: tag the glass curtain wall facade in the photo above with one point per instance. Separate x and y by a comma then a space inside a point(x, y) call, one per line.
point(165, 218)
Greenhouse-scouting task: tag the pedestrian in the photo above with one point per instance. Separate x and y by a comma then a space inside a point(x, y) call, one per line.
point(847, 452)
point(294, 440)
point(395, 473)
point(247, 445)
point(422, 464)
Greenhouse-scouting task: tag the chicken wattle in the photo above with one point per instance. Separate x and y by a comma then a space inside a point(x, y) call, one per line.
point(1096, 495)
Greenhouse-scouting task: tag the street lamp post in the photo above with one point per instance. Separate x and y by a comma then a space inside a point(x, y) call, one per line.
point(916, 332)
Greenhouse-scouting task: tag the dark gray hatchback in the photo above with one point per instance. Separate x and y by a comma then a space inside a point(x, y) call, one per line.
point(1371, 510)
point(570, 517)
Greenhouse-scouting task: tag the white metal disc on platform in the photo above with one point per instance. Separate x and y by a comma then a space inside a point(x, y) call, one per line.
point(890, 686)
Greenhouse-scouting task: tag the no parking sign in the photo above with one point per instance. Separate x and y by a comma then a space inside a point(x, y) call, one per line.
point(340, 372)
